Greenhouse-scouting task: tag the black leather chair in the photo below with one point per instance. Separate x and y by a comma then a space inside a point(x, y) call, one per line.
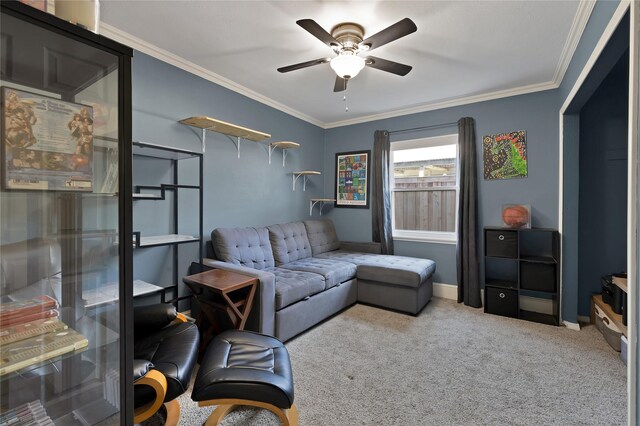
point(165, 354)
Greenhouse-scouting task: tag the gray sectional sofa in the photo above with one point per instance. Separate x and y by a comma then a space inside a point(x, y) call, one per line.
point(306, 274)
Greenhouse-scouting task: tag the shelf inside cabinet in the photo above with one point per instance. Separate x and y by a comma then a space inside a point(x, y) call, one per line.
point(321, 202)
point(284, 146)
point(163, 188)
point(491, 282)
point(109, 293)
point(163, 240)
point(304, 174)
point(145, 149)
point(538, 259)
point(228, 129)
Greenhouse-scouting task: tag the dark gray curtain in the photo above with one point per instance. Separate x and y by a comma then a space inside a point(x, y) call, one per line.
point(467, 232)
point(381, 192)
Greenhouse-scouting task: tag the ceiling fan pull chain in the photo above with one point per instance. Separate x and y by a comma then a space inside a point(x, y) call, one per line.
point(344, 98)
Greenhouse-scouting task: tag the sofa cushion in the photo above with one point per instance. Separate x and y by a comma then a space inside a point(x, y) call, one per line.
point(293, 286)
point(333, 271)
point(243, 246)
point(399, 270)
point(347, 256)
point(289, 242)
point(322, 235)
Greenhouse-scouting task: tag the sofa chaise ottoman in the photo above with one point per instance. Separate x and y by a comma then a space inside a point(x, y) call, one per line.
point(307, 275)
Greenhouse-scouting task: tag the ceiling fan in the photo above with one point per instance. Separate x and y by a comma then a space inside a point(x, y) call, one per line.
point(347, 41)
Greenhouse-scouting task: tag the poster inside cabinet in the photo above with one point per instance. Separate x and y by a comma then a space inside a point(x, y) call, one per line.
point(47, 143)
point(352, 179)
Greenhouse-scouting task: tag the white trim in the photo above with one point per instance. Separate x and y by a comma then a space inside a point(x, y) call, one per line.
point(597, 50)
point(445, 291)
point(571, 325)
point(179, 62)
point(425, 237)
point(578, 25)
point(538, 87)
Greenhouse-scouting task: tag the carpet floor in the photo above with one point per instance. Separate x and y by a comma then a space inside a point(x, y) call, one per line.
point(450, 365)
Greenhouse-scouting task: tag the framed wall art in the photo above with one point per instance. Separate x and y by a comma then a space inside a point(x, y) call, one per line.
point(352, 179)
point(47, 143)
point(505, 155)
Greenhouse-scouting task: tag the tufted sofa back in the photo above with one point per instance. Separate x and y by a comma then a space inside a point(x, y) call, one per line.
point(289, 242)
point(243, 246)
point(322, 235)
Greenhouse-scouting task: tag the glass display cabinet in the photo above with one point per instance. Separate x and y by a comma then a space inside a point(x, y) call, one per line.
point(65, 206)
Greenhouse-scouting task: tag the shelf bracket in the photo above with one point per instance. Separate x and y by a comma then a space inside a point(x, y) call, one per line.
point(272, 147)
point(236, 143)
point(295, 177)
point(204, 138)
point(312, 204)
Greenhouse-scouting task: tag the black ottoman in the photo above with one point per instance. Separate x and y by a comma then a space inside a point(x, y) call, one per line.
point(246, 368)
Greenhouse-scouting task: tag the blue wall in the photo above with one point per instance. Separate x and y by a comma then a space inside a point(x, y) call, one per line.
point(238, 192)
point(537, 113)
point(598, 21)
point(603, 184)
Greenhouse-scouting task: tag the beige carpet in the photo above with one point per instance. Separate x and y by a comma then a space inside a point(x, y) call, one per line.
point(450, 365)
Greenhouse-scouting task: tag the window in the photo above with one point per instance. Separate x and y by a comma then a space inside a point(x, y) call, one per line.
point(425, 189)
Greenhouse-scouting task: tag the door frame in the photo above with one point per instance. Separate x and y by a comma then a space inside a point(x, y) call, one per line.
point(632, 180)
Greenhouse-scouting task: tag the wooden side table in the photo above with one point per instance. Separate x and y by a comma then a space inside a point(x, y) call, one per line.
point(221, 291)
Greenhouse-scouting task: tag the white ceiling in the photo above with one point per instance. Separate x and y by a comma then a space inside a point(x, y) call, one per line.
point(462, 50)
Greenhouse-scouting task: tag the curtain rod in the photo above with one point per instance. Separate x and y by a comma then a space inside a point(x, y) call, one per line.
point(433, 126)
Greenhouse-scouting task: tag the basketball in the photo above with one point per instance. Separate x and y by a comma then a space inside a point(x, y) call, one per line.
point(515, 216)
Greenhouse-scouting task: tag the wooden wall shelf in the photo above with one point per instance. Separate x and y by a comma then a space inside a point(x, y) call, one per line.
point(284, 146)
point(304, 174)
point(228, 129)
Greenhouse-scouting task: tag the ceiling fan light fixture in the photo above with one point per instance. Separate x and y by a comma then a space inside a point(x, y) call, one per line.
point(347, 65)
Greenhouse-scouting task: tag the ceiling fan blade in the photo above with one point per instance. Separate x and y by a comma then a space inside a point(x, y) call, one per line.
point(341, 84)
point(388, 66)
point(304, 65)
point(389, 34)
point(318, 32)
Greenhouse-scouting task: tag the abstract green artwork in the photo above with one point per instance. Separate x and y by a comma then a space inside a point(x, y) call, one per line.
point(505, 155)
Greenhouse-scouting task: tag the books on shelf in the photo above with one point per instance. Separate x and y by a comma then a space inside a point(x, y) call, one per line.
point(25, 311)
point(24, 353)
point(31, 413)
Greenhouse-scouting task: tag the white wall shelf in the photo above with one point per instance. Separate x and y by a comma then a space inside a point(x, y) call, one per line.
point(228, 129)
point(321, 202)
point(304, 174)
point(284, 146)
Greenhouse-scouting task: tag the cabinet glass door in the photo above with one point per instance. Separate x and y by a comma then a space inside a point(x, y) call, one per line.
point(59, 222)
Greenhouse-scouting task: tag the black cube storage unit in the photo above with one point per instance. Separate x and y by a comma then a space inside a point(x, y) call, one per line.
point(521, 262)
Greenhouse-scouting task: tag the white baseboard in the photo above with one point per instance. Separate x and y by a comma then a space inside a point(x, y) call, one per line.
point(445, 291)
point(571, 325)
point(534, 304)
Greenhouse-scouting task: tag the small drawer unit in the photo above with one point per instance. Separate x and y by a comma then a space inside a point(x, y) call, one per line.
point(501, 301)
point(501, 243)
point(520, 265)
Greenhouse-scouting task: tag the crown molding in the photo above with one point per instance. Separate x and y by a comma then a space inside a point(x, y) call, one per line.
point(585, 7)
point(175, 60)
point(522, 90)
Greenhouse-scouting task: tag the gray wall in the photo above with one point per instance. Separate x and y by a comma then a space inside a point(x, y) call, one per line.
point(603, 184)
point(238, 192)
point(537, 113)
